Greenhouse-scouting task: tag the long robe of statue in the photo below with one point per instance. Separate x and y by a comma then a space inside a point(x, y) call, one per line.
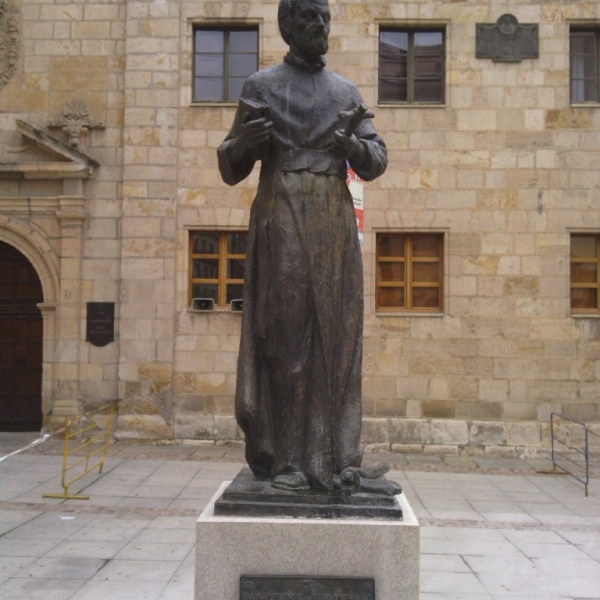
point(298, 397)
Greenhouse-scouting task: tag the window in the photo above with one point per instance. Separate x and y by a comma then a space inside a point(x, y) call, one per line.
point(223, 60)
point(584, 65)
point(411, 66)
point(585, 260)
point(217, 264)
point(409, 272)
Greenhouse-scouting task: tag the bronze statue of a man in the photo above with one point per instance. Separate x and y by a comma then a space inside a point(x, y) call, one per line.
point(298, 397)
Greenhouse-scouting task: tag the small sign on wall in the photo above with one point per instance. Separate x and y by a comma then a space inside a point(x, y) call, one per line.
point(100, 324)
point(507, 40)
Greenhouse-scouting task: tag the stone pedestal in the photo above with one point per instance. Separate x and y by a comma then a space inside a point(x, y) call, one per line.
point(228, 547)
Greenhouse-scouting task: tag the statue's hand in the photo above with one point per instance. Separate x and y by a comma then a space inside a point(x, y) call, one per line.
point(346, 146)
point(251, 134)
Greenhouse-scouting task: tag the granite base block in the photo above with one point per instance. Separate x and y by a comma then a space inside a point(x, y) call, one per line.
point(229, 547)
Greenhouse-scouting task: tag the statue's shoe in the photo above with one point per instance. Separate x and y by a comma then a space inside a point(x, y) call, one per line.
point(292, 482)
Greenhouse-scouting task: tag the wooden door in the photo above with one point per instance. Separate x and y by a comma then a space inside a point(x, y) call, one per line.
point(21, 342)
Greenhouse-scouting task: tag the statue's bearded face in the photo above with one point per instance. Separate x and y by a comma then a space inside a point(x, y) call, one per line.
point(310, 28)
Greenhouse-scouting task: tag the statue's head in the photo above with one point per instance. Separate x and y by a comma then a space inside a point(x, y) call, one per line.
point(304, 26)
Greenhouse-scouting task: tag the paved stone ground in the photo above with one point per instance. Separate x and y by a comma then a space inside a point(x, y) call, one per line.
point(491, 529)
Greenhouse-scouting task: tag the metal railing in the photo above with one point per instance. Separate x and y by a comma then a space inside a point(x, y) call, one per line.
point(570, 445)
point(86, 437)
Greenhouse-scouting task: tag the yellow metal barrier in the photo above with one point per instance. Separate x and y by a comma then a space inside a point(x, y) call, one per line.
point(88, 434)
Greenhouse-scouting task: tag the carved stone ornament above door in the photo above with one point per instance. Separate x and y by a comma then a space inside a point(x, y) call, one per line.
point(10, 40)
point(76, 121)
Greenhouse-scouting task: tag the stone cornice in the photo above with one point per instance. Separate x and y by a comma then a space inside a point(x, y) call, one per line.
point(47, 307)
point(68, 163)
point(14, 205)
point(60, 207)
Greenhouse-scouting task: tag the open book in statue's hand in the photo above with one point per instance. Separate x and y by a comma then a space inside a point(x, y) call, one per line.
point(251, 110)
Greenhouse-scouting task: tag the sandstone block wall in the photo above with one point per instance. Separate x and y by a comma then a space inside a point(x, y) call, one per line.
point(68, 227)
point(506, 169)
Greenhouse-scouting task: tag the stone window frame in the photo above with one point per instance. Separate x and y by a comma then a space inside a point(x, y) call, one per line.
point(576, 27)
point(413, 27)
point(408, 260)
point(222, 257)
point(576, 266)
point(225, 26)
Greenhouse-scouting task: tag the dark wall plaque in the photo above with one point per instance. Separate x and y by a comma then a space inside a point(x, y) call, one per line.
point(306, 588)
point(100, 328)
point(507, 40)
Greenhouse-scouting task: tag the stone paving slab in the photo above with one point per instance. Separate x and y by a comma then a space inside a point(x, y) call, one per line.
point(490, 530)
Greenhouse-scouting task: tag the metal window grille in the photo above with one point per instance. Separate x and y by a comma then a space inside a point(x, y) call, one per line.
point(217, 266)
point(409, 272)
point(411, 66)
point(223, 60)
point(585, 273)
point(584, 67)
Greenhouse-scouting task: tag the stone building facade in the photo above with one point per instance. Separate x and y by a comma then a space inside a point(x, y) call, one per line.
point(107, 164)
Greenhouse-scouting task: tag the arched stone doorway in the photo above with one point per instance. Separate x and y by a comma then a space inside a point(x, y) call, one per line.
point(21, 342)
